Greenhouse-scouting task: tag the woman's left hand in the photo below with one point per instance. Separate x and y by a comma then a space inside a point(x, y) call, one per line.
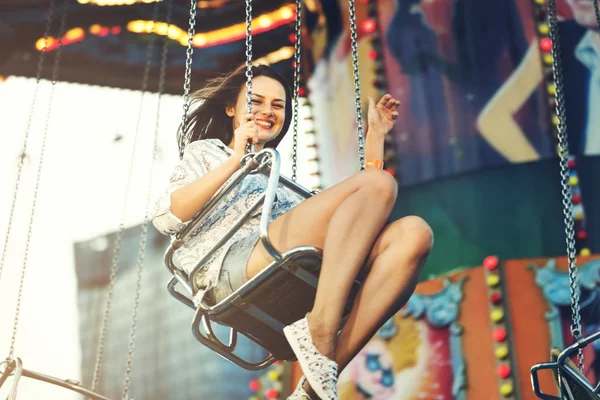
point(382, 115)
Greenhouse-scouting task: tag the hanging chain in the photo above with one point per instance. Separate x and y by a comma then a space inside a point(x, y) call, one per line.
point(563, 151)
point(144, 234)
point(119, 235)
point(297, 61)
point(38, 77)
point(55, 69)
point(188, 75)
point(249, 63)
point(249, 56)
point(359, 120)
point(597, 11)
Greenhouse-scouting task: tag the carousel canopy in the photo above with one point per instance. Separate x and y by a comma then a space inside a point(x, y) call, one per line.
point(105, 41)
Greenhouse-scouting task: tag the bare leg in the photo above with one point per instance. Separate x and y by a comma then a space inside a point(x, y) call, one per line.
point(395, 262)
point(346, 237)
point(394, 265)
point(344, 221)
point(352, 230)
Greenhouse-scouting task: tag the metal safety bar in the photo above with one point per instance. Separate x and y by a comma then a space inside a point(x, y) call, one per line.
point(14, 368)
point(267, 161)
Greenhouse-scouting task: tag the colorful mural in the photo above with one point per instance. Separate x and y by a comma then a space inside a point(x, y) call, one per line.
point(470, 78)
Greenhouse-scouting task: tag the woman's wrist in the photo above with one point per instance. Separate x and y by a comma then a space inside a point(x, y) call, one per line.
point(378, 164)
point(374, 146)
point(235, 159)
point(376, 133)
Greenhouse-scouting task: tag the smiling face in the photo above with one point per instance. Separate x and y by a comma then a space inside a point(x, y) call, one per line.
point(583, 12)
point(268, 107)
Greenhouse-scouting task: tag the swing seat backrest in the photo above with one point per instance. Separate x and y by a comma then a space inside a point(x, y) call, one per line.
point(277, 296)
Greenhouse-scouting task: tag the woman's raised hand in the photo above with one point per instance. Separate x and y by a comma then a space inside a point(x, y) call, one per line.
point(243, 133)
point(382, 115)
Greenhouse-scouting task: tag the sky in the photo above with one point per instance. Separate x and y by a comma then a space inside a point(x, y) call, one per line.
point(81, 195)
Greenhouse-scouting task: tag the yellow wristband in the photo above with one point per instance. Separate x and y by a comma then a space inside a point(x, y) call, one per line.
point(374, 164)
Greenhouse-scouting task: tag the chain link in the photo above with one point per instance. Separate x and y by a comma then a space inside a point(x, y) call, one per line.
point(188, 76)
point(563, 151)
point(144, 233)
point(297, 61)
point(359, 120)
point(249, 63)
point(38, 77)
point(55, 69)
point(119, 235)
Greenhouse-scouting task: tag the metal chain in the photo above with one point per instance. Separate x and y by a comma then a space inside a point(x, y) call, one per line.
point(119, 235)
point(144, 234)
point(188, 75)
point(563, 151)
point(249, 56)
point(297, 61)
point(38, 77)
point(249, 63)
point(55, 69)
point(359, 120)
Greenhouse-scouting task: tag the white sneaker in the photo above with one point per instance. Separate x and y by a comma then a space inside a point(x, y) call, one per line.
point(320, 372)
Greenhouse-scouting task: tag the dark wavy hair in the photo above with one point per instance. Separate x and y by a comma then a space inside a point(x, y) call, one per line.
point(208, 119)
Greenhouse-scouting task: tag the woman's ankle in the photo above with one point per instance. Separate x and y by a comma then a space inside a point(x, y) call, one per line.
point(309, 390)
point(323, 336)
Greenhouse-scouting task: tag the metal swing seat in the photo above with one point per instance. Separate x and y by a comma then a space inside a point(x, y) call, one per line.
point(277, 296)
point(285, 290)
point(571, 382)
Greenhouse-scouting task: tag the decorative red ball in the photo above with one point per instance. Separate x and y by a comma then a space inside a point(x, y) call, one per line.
point(582, 235)
point(546, 44)
point(503, 371)
point(490, 262)
point(365, 1)
point(372, 54)
point(292, 38)
point(499, 335)
point(115, 30)
point(301, 91)
point(496, 298)
point(571, 164)
point(104, 31)
point(272, 393)
point(368, 26)
point(254, 385)
point(576, 198)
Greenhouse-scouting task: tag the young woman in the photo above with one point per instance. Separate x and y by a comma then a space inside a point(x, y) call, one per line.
point(347, 221)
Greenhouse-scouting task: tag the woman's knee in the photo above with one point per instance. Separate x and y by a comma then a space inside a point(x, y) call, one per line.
point(414, 232)
point(380, 183)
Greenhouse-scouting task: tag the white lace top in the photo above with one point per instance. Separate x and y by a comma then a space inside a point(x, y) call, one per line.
point(199, 158)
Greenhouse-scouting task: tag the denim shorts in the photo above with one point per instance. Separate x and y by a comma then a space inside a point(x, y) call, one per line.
point(233, 271)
